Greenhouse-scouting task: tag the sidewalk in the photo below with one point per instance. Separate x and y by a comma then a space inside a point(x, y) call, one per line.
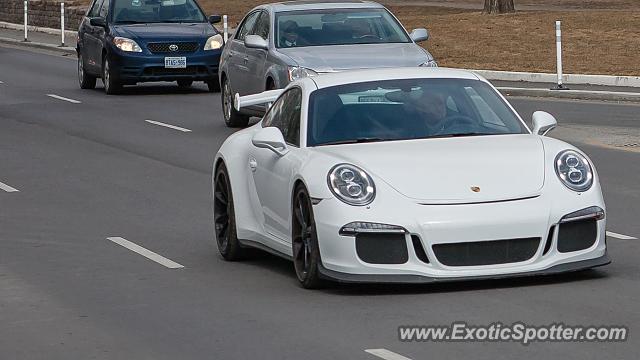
point(40, 39)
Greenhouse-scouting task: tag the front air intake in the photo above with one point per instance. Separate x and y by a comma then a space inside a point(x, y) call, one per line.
point(577, 235)
point(486, 252)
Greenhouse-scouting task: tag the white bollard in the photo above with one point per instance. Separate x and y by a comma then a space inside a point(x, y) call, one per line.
point(62, 22)
point(25, 21)
point(560, 86)
point(225, 30)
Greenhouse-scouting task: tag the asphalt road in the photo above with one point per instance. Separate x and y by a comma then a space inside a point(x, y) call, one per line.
point(96, 169)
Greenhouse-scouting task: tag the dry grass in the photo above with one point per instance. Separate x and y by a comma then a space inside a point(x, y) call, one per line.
point(596, 41)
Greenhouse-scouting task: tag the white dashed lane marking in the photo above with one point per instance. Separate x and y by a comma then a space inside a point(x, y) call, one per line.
point(386, 354)
point(168, 126)
point(620, 236)
point(144, 252)
point(64, 98)
point(7, 188)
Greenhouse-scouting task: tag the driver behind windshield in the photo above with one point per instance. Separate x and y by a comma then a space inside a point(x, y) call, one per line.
point(430, 111)
point(289, 34)
point(360, 28)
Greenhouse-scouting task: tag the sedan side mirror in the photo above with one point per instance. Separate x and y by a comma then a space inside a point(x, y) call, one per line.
point(98, 21)
point(255, 42)
point(214, 19)
point(270, 138)
point(543, 122)
point(419, 34)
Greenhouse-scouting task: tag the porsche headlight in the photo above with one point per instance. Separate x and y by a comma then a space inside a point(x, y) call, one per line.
point(574, 170)
point(297, 72)
point(351, 184)
point(125, 44)
point(213, 43)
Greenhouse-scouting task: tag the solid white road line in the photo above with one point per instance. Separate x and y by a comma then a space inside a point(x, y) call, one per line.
point(64, 98)
point(167, 125)
point(620, 236)
point(386, 354)
point(7, 188)
point(146, 253)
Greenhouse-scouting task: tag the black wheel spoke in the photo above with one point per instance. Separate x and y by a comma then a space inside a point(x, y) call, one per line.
point(297, 249)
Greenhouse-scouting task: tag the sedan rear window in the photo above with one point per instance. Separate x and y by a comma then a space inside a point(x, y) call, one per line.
point(408, 109)
point(337, 27)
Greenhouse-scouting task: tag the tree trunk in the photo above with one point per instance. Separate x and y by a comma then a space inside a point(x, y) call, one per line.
point(498, 6)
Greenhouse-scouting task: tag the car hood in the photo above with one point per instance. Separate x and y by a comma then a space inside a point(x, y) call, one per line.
point(444, 170)
point(165, 31)
point(345, 57)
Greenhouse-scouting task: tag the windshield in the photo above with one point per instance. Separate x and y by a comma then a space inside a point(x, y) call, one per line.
point(407, 109)
point(156, 11)
point(337, 27)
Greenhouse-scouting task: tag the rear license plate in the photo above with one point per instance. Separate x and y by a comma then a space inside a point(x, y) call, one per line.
point(179, 62)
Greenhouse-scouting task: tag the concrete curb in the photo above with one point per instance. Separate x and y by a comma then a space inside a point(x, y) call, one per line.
point(66, 49)
point(12, 26)
point(575, 79)
point(571, 94)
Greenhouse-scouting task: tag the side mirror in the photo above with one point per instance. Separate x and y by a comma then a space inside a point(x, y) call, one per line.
point(270, 138)
point(214, 19)
point(98, 21)
point(419, 34)
point(543, 122)
point(256, 42)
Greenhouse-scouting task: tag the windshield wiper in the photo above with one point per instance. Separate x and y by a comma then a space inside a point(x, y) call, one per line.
point(459, 135)
point(129, 22)
point(356, 141)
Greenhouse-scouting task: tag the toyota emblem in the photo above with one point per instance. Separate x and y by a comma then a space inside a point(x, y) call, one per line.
point(173, 47)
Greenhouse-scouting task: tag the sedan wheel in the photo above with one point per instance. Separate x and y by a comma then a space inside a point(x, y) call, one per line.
point(111, 84)
point(224, 220)
point(231, 117)
point(306, 253)
point(86, 81)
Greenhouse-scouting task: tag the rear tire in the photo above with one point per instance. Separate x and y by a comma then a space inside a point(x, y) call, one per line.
point(85, 80)
point(112, 85)
point(224, 219)
point(185, 83)
point(306, 252)
point(232, 117)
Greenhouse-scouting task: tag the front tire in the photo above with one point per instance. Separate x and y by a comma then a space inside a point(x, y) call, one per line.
point(112, 85)
point(232, 117)
point(85, 80)
point(224, 219)
point(306, 253)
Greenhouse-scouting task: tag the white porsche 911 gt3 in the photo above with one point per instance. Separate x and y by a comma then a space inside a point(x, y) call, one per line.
point(405, 175)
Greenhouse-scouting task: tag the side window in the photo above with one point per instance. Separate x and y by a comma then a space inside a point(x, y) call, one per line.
point(104, 9)
point(285, 115)
point(247, 25)
point(291, 116)
point(94, 9)
point(262, 26)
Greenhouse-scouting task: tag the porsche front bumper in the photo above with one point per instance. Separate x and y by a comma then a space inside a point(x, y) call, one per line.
point(493, 240)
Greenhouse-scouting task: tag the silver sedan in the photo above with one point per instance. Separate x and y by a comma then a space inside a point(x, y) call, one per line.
point(278, 43)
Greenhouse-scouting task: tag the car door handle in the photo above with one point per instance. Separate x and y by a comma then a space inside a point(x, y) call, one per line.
point(253, 164)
